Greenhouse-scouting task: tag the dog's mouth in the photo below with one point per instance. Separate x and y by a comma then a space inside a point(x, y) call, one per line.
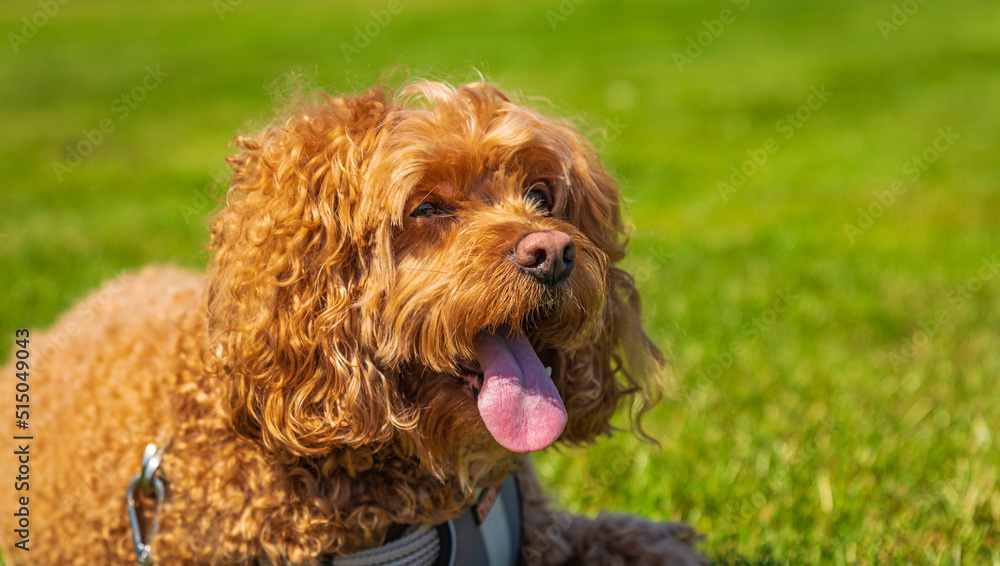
point(517, 400)
point(471, 376)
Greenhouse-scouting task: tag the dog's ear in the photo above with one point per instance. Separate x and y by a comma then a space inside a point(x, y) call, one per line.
point(289, 267)
point(621, 364)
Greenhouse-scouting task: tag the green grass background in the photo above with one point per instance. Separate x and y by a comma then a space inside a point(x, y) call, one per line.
point(826, 438)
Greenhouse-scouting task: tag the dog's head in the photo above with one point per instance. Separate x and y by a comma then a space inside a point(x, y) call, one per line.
point(430, 270)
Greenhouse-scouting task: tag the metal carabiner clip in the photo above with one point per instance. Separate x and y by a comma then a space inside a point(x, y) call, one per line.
point(148, 484)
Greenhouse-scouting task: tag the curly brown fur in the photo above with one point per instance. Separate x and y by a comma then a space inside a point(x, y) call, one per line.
point(307, 387)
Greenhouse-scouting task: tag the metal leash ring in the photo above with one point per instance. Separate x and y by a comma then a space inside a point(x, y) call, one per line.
point(144, 481)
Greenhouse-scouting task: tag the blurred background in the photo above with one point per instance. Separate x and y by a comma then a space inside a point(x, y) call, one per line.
point(813, 188)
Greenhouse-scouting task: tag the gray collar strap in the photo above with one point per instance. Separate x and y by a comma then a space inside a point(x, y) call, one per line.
point(487, 534)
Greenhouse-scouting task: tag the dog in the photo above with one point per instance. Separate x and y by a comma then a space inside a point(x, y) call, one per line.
point(410, 290)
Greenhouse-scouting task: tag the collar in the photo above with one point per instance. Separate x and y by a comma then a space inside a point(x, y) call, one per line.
point(487, 533)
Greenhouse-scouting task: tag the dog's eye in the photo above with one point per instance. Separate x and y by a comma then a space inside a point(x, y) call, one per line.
point(426, 209)
point(538, 195)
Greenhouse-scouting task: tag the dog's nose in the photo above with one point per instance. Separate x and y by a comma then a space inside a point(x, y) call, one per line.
point(547, 256)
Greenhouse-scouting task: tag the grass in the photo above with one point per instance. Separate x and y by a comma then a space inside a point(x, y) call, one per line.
point(820, 415)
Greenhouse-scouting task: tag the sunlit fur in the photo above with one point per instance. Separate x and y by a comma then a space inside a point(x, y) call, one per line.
point(306, 387)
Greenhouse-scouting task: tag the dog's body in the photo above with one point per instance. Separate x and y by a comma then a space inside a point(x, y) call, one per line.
point(390, 279)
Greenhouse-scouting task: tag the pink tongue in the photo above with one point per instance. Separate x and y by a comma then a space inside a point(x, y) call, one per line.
point(518, 401)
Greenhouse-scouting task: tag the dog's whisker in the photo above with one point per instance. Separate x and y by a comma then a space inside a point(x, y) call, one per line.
point(424, 269)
